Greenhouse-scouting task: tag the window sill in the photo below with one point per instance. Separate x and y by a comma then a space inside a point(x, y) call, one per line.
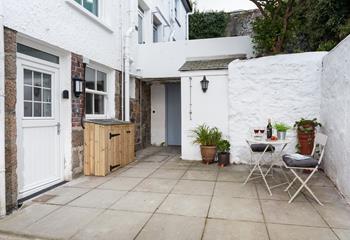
point(91, 16)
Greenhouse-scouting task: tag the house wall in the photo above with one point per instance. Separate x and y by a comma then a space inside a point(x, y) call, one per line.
point(210, 108)
point(283, 87)
point(335, 114)
point(158, 114)
point(163, 60)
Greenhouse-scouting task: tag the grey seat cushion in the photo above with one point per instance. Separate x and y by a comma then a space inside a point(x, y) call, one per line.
point(309, 162)
point(261, 148)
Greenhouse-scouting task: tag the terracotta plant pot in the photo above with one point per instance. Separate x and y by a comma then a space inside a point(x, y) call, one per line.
point(306, 142)
point(223, 159)
point(208, 154)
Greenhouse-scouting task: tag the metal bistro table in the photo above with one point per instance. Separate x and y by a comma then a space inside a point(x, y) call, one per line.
point(257, 166)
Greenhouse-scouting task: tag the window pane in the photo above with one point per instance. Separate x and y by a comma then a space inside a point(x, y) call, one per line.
point(28, 77)
point(37, 79)
point(78, 1)
point(99, 104)
point(91, 6)
point(101, 81)
point(37, 94)
point(90, 78)
point(140, 29)
point(47, 110)
point(28, 95)
point(47, 95)
point(89, 104)
point(37, 109)
point(28, 109)
point(47, 80)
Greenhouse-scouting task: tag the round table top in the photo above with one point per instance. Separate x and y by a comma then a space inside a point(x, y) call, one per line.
point(267, 141)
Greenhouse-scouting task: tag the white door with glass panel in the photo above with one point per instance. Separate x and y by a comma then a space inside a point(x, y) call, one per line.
point(39, 161)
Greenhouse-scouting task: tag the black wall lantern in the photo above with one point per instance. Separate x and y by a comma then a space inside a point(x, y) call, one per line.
point(78, 86)
point(205, 84)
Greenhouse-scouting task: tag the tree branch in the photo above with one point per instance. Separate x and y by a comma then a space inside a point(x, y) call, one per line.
point(260, 7)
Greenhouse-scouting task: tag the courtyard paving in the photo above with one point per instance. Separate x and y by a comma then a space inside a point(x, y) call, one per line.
point(161, 197)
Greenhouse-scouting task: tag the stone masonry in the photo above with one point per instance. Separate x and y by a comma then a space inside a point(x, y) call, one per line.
point(78, 70)
point(10, 118)
point(240, 23)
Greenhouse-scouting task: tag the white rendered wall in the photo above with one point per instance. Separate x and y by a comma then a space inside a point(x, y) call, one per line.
point(157, 114)
point(163, 60)
point(210, 108)
point(61, 24)
point(283, 87)
point(335, 113)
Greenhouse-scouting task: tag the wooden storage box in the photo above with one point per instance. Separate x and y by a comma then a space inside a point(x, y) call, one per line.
point(108, 144)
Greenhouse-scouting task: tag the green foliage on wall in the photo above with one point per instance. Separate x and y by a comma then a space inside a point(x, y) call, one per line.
point(288, 26)
point(208, 24)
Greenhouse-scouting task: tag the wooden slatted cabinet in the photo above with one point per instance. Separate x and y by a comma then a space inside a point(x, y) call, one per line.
point(108, 144)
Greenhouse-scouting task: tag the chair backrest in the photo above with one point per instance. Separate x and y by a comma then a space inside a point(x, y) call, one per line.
point(320, 143)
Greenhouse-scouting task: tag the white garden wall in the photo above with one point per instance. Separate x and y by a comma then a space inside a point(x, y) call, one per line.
point(210, 108)
point(335, 113)
point(283, 87)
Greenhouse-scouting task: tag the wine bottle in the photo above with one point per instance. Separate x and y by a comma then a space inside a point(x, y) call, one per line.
point(269, 130)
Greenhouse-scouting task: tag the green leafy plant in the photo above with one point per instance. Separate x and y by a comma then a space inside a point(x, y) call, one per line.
point(206, 136)
point(306, 125)
point(224, 146)
point(281, 127)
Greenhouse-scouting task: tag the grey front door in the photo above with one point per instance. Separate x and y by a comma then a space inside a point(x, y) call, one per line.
point(173, 114)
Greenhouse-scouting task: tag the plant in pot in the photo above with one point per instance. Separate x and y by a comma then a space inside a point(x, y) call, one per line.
point(306, 130)
point(281, 129)
point(207, 138)
point(223, 148)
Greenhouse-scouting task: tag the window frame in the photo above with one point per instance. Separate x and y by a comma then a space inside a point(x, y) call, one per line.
point(140, 14)
point(98, 12)
point(105, 93)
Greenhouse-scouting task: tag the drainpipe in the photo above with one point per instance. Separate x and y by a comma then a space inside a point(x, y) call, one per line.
point(2, 117)
point(188, 24)
point(127, 59)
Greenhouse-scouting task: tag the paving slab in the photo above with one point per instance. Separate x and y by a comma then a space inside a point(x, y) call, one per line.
point(185, 205)
point(232, 176)
point(298, 213)
point(140, 202)
point(233, 189)
point(200, 175)
point(325, 194)
point(234, 230)
point(87, 182)
point(336, 215)
point(343, 234)
point(278, 194)
point(236, 209)
point(113, 225)
point(63, 195)
point(168, 173)
point(121, 183)
point(290, 232)
point(172, 227)
point(98, 198)
point(26, 216)
point(193, 187)
point(156, 185)
point(63, 223)
point(137, 172)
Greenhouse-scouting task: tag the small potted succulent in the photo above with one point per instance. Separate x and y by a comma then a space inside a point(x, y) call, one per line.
point(306, 130)
point(281, 129)
point(207, 138)
point(223, 148)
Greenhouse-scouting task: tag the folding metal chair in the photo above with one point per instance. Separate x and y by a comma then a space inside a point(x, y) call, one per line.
point(310, 163)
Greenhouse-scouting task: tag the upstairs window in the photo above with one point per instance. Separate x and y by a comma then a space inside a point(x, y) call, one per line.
point(177, 8)
point(140, 26)
point(90, 5)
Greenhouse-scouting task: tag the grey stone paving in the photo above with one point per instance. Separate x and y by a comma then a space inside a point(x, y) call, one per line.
point(161, 197)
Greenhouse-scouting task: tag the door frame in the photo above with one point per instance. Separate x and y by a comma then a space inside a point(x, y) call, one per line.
point(44, 66)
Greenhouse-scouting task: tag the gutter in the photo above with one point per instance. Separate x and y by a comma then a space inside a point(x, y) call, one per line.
point(2, 117)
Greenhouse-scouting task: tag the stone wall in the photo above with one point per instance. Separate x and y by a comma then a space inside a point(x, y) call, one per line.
point(283, 87)
point(10, 118)
point(78, 70)
point(240, 23)
point(335, 115)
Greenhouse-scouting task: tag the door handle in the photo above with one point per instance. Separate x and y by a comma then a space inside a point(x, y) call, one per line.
point(111, 135)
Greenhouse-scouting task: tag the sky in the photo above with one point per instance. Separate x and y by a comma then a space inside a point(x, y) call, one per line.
point(226, 5)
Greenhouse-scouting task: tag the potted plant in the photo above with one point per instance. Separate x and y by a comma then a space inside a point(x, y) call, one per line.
point(281, 129)
point(208, 139)
point(223, 148)
point(306, 134)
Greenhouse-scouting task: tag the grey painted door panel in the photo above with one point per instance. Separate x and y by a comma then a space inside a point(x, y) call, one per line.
point(173, 114)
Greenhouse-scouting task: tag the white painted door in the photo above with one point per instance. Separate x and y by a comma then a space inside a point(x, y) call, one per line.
point(39, 160)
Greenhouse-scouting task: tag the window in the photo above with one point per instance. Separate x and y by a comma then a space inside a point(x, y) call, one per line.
point(140, 26)
point(156, 29)
point(132, 88)
point(96, 92)
point(37, 94)
point(90, 5)
point(176, 9)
